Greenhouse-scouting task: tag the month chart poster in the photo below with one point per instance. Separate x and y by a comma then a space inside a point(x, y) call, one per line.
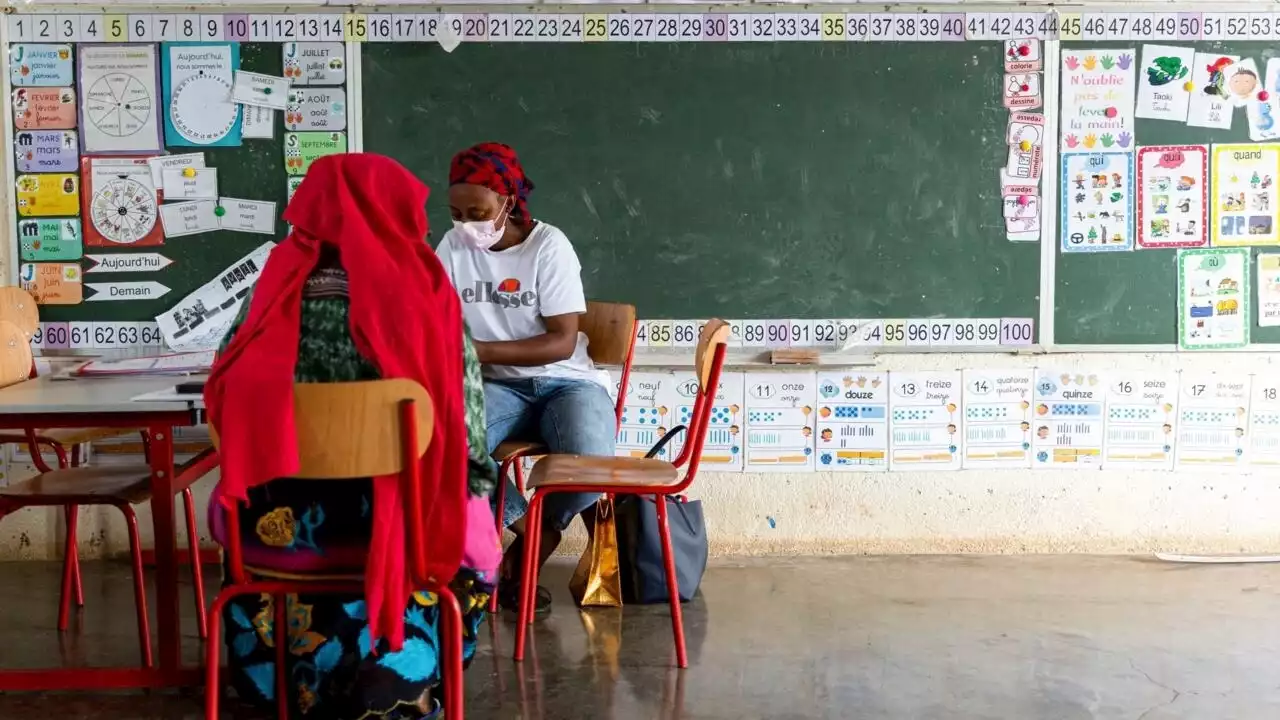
point(1172, 186)
point(997, 418)
point(1244, 195)
point(647, 414)
point(1097, 202)
point(1069, 419)
point(780, 421)
point(1213, 298)
point(1098, 100)
point(1213, 421)
point(853, 421)
point(924, 420)
point(1142, 412)
point(722, 451)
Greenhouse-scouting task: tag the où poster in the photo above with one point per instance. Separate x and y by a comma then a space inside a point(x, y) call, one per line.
point(1164, 83)
point(1097, 202)
point(120, 99)
point(853, 421)
point(1212, 421)
point(1172, 187)
point(780, 422)
point(1268, 290)
point(1213, 298)
point(1211, 104)
point(1068, 419)
point(1244, 195)
point(997, 418)
point(924, 421)
point(197, 93)
point(1097, 100)
point(1141, 415)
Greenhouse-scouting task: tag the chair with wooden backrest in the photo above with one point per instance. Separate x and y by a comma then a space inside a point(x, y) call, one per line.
point(19, 307)
point(611, 332)
point(119, 487)
point(628, 476)
point(344, 431)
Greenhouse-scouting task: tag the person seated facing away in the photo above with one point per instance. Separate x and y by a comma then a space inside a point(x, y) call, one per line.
point(521, 289)
point(354, 293)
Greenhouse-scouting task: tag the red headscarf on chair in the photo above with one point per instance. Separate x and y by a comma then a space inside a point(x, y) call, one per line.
point(405, 319)
point(495, 166)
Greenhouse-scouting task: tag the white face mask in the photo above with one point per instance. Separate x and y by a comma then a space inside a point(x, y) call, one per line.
point(481, 234)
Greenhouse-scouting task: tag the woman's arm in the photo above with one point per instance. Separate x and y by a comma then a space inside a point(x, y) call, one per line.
point(556, 344)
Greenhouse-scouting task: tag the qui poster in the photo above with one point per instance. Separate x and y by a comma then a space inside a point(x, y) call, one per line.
point(1172, 185)
point(1097, 202)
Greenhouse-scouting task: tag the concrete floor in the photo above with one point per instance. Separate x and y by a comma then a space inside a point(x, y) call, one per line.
point(1025, 638)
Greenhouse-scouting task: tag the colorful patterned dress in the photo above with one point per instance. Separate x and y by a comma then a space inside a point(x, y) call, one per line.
point(333, 673)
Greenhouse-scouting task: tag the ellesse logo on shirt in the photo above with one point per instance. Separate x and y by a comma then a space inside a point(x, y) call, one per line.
point(507, 294)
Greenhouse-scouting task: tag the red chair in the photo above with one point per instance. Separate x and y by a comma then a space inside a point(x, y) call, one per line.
point(628, 476)
point(611, 334)
point(346, 430)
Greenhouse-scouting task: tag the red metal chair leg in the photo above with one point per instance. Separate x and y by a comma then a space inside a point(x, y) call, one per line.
point(519, 472)
point(193, 546)
point(75, 549)
point(212, 686)
point(502, 495)
point(139, 585)
point(529, 574)
point(451, 631)
point(70, 568)
point(532, 588)
point(282, 653)
point(673, 587)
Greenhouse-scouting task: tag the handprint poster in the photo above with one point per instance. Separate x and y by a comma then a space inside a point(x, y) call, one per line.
point(1172, 206)
point(1097, 202)
point(1212, 76)
point(1244, 189)
point(1097, 101)
point(1164, 84)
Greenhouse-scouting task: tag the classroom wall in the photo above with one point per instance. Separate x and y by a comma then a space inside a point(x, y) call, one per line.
point(1014, 511)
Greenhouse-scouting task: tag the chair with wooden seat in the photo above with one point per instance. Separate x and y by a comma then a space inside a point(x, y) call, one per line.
point(611, 333)
point(344, 430)
point(19, 307)
point(628, 476)
point(119, 487)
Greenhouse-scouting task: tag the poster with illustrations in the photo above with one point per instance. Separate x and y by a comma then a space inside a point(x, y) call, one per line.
point(722, 451)
point(1022, 91)
point(1213, 299)
point(1173, 183)
point(1068, 419)
point(48, 194)
point(1213, 421)
point(646, 416)
point(315, 63)
point(1097, 202)
point(303, 148)
point(197, 94)
point(1262, 110)
point(1097, 100)
point(120, 99)
point(1022, 55)
point(1211, 105)
point(1021, 212)
point(1025, 137)
point(997, 418)
point(1142, 411)
point(50, 239)
point(39, 65)
point(780, 421)
point(44, 108)
point(1264, 422)
point(925, 415)
point(1244, 195)
point(1268, 289)
point(316, 109)
point(46, 150)
point(52, 283)
point(120, 204)
point(1163, 82)
point(853, 421)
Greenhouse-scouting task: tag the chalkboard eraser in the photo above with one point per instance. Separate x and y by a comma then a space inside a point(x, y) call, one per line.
point(795, 357)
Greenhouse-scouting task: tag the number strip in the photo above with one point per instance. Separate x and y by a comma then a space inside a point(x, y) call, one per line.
point(835, 334)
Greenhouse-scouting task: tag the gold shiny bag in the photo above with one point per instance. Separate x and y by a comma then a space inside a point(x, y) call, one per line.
point(597, 581)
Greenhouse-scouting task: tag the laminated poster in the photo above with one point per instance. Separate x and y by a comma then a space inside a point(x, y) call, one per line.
point(924, 421)
point(48, 195)
point(1164, 82)
point(1213, 421)
point(1264, 422)
point(303, 148)
point(52, 283)
point(1069, 419)
point(1213, 299)
point(120, 99)
point(647, 414)
point(853, 421)
point(1097, 202)
point(1244, 195)
point(1262, 111)
point(46, 151)
point(315, 63)
point(722, 451)
point(1173, 183)
point(40, 65)
point(1097, 100)
point(1268, 290)
point(1142, 410)
point(50, 239)
point(44, 108)
point(1211, 103)
point(120, 205)
point(997, 418)
point(197, 94)
point(780, 421)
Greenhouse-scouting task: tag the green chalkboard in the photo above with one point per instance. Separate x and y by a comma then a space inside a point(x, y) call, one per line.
point(1132, 298)
point(253, 171)
point(777, 180)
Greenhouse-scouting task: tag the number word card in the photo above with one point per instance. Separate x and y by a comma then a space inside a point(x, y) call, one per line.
point(722, 451)
point(780, 421)
point(997, 418)
point(853, 421)
point(1264, 422)
point(647, 414)
point(1142, 410)
point(1068, 420)
point(1213, 419)
point(925, 417)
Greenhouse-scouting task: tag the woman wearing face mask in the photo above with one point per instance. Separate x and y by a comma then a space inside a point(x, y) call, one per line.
point(521, 289)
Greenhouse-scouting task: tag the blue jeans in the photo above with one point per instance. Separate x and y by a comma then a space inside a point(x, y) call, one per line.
point(569, 416)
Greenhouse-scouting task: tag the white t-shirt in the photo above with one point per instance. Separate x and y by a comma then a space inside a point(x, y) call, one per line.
point(507, 293)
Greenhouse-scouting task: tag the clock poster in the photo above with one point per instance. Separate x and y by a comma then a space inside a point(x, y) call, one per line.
point(197, 94)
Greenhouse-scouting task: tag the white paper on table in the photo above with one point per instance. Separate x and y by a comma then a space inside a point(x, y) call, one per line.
point(258, 123)
point(201, 185)
point(1142, 412)
point(1162, 81)
point(1210, 106)
point(120, 98)
point(1268, 289)
point(1264, 422)
point(780, 421)
point(852, 421)
point(1173, 209)
point(262, 90)
point(188, 218)
point(647, 414)
point(1213, 298)
point(172, 162)
point(722, 451)
point(1069, 419)
point(997, 418)
point(925, 415)
point(1097, 100)
point(1213, 421)
point(251, 216)
point(203, 317)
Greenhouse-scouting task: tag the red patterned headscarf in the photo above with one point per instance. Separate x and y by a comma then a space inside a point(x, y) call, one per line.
point(495, 166)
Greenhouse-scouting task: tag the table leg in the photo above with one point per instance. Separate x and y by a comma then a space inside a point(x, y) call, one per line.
point(164, 530)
